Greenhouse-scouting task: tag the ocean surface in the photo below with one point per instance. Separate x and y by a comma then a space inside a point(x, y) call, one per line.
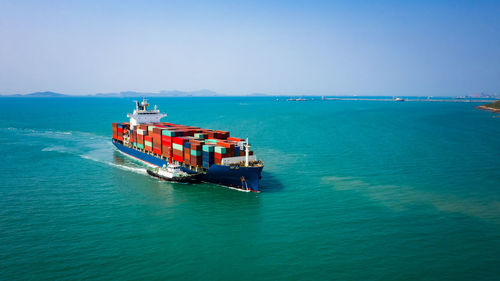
point(352, 190)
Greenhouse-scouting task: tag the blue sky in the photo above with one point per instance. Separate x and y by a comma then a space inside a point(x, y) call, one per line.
point(276, 47)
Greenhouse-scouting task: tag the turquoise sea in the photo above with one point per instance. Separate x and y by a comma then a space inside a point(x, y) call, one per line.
point(352, 190)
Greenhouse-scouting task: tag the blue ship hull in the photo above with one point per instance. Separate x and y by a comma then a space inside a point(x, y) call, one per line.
point(223, 175)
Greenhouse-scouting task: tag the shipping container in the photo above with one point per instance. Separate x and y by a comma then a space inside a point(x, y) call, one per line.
point(178, 158)
point(176, 146)
point(220, 149)
point(208, 148)
point(187, 156)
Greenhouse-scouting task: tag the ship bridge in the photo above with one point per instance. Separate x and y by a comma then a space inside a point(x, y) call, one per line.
point(142, 114)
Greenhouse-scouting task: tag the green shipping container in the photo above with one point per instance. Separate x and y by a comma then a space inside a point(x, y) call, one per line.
point(196, 152)
point(212, 140)
point(141, 146)
point(220, 149)
point(148, 143)
point(168, 133)
point(208, 148)
point(178, 146)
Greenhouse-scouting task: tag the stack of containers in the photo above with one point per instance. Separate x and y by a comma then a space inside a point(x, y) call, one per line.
point(207, 155)
point(187, 153)
point(201, 135)
point(196, 153)
point(178, 148)
point(119, 135)
point(221, 135)
point(157, 140)
point(236, 151)
point(148, 143)
point(166, 144)
point(115, 130)
point(140, 137)
point(219, 151)
point(133, 135)
point(210, 134)
point(229, 145)
point(177, 142)
point(167, 141)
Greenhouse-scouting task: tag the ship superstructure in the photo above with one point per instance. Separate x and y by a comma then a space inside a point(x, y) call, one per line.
point(142, 115)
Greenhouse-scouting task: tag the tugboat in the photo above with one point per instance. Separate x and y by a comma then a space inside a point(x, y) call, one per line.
point(174, 173)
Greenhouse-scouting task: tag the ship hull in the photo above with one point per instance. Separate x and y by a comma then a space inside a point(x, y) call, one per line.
point(241, 178)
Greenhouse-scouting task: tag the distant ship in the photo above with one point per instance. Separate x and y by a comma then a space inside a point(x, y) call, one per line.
point(213, 155)
point(398, 99)
point(296, 99)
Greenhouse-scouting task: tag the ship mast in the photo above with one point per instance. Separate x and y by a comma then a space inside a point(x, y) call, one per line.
point(247, 151)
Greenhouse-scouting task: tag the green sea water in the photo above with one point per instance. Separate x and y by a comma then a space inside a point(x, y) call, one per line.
point(352, 190)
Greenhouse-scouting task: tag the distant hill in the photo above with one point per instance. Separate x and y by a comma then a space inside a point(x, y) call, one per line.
point(174, 93)
point(39, 95)
point(45, 94)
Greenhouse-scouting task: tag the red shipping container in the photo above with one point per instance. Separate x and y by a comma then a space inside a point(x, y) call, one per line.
point(140, 139)
point(120, 130)
point(156, 144)
point(179, 140)
point(157, 151)
point(148, 148)
point(148, 138)
point(235, 139)
point(178, 158)
point(166, 151)
point(178, 153)
point(221, 134)
point(187, 155)
point(194, 161)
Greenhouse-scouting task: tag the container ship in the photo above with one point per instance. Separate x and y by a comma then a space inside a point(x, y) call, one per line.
point(219, 158)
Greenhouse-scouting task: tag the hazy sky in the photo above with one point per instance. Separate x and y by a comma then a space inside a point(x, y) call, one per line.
point(283, 47)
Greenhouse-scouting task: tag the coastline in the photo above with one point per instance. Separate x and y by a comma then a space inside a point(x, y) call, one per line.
point(484, 107)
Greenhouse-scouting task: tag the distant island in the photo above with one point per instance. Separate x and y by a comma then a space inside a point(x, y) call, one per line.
point(40, 95)
point(494, 106)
